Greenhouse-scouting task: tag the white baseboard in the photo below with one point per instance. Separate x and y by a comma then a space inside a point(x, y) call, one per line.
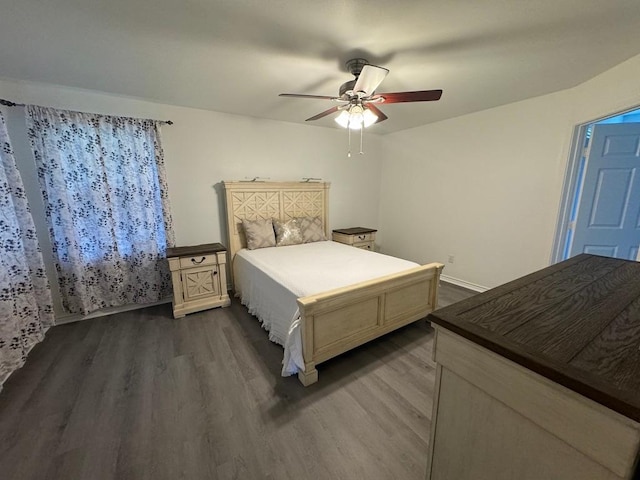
point(461, 283)
point(106, 311)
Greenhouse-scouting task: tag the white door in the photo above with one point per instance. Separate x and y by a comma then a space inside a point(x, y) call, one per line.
point(608, 218)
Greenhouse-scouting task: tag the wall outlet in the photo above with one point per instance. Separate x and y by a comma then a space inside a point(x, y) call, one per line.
point(451, 258)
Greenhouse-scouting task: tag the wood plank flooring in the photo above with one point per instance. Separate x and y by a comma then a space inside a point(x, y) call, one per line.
point(139, 395)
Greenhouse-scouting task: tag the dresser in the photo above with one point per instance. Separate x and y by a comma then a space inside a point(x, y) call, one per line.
point(540, 378)
point(199, 278)
point(359, 237)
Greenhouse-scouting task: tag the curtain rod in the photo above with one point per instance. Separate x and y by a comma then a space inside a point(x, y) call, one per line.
point(7, 103)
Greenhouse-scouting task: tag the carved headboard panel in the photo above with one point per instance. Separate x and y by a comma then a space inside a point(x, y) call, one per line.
point(281, 200)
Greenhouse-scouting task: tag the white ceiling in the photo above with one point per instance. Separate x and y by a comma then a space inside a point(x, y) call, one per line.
point(236, 56)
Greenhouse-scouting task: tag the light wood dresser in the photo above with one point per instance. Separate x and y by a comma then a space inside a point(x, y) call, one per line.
point(540, 378)
point(358, 237)
point(199, 278)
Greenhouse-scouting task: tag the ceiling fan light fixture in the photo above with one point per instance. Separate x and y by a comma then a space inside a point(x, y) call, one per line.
point(369, 118)
point(356, 117)
point(343, 119)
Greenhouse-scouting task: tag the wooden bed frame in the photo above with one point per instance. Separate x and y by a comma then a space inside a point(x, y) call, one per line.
point(336, 321)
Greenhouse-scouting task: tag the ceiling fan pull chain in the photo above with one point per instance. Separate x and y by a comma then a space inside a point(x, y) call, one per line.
point(361, 135)
point(349, 133)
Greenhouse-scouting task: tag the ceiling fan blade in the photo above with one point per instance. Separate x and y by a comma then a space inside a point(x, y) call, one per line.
point(419, 96)
point(381, 116)
point(323, 114)
point(370, 77)
point(317, 97)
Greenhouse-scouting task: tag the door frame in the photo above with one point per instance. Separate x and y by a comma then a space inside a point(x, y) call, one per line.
point(571, 182)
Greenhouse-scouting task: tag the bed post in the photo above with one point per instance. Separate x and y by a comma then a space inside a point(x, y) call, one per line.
point(435, 286)
point(309, 375)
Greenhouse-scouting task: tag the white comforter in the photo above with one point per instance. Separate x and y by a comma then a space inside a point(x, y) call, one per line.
point(269, 280)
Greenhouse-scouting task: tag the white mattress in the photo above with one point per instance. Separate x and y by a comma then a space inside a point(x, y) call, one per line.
point(269, 280)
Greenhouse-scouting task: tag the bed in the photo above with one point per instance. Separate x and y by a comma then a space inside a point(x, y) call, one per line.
point(314, 324)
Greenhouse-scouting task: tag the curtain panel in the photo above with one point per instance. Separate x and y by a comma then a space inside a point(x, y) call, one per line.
point(106, 201)
point(26, 310)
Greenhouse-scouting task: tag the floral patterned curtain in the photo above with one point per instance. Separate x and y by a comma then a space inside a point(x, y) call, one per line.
point(26, 310)
point(105, 193)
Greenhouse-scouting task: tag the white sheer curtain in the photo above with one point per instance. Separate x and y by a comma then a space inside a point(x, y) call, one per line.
point(26, 310)
point(105, 194)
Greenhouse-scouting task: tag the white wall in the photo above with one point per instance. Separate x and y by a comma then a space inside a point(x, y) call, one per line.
point(486, 187)
point(203, 148)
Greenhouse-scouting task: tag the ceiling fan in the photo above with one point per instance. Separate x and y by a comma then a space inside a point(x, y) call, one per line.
point(359, 100)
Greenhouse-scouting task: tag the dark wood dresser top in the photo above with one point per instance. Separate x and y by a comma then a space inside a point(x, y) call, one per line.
point(576, 322)
point(355, 230)
point(195, 250)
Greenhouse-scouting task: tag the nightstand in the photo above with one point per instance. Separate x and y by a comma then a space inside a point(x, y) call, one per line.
point(358, 237)
point(199, 278)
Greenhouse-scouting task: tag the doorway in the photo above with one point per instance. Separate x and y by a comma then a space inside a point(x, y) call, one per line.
point(600, 212)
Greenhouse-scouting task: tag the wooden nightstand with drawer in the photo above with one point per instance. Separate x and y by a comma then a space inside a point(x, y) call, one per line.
point(358, 237)
point(199, 278)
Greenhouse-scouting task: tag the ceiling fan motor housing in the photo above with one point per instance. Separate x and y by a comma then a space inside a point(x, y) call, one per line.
point(347, 87)
point(355, 65)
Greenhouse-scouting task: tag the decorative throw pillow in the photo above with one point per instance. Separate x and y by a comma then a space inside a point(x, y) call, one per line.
point(311, 228)
point(287, 233)
point(259, 233)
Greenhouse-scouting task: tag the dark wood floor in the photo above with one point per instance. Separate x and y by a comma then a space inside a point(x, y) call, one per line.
point(139, 395)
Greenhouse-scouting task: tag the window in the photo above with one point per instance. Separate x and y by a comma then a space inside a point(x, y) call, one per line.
point(105, 193)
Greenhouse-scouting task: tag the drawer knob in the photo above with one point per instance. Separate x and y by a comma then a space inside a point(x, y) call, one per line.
point(193, 260)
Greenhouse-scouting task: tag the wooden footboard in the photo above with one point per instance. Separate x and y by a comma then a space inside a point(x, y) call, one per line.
point(336, 321)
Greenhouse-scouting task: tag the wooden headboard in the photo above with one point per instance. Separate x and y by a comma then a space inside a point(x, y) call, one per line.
point(281, 200)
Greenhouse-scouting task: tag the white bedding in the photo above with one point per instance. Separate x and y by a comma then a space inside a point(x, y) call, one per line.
point(269, 280)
